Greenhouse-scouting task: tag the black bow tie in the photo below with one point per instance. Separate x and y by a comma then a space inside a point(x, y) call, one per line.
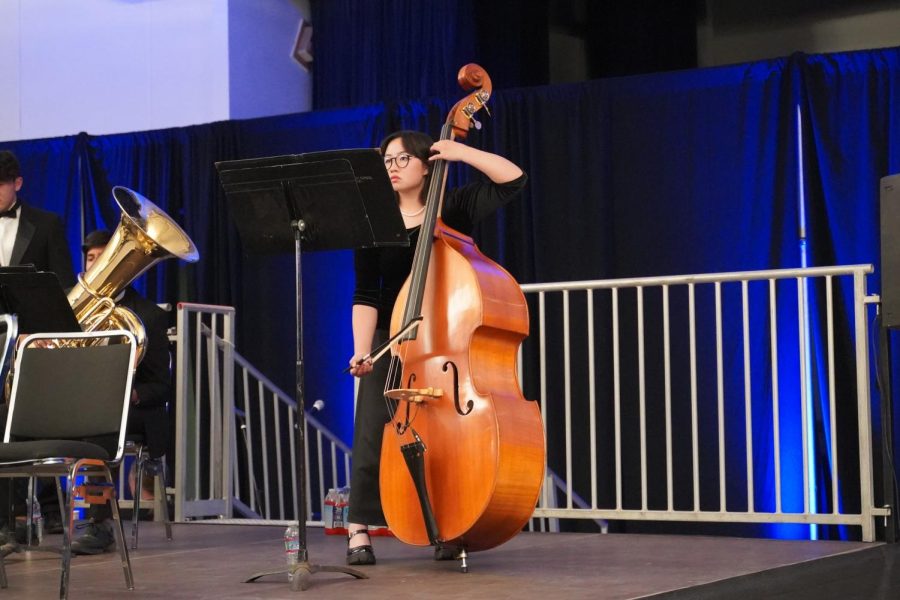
point(11, 212)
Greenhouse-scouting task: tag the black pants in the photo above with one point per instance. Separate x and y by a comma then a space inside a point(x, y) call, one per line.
point(368, 429)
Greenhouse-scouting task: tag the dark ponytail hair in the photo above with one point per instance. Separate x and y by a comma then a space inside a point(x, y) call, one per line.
point(417, 144)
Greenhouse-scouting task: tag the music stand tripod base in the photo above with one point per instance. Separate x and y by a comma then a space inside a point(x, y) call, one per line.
point(301, 574)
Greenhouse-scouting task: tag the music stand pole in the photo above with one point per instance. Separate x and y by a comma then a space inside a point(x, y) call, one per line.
point(331, 200)
point(301, 573)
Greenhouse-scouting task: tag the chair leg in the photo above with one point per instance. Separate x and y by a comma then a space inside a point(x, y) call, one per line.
point(160, 496)
point(120, 535)
point(162, 499)
point(136, 496)
point(68, 535)
point(61, 500)
point(29, 513)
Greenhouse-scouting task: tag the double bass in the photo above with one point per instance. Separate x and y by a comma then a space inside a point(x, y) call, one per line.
point(462, 457)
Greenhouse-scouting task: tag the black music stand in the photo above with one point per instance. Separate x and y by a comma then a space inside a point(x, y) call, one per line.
point(37, 299)
point(318, 201)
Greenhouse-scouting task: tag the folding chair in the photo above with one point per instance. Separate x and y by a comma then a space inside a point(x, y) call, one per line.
point(61, 397)
point(8, 331)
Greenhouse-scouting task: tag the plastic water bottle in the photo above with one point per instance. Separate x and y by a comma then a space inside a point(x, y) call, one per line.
point(291, 547)
point(340, 511)
point(330, 512)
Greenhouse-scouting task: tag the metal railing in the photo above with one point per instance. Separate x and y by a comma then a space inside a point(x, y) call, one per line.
point(563, 365)
point(633, 378)
point(235, 432)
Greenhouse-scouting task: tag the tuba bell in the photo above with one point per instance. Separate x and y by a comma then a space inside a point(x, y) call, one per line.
point(145, 236)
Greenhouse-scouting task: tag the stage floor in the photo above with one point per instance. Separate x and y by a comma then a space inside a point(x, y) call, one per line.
point(210, 561)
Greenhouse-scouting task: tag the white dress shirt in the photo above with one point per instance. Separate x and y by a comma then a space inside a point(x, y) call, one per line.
point(8, 229)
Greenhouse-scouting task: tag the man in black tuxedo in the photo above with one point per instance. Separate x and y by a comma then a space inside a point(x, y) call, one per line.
point(29, 235)
point(151, 391)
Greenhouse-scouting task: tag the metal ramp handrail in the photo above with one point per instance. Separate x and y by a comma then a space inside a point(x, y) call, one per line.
point(223, 401)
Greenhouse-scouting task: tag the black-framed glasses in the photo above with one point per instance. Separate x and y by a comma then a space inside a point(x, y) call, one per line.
point(401, 159)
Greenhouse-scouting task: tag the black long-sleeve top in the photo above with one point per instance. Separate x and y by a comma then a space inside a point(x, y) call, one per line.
point(380, 272)
point(153, 378)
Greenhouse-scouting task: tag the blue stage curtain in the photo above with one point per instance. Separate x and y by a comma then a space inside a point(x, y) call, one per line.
point(676, 173)
point(50, 181)
point(852, 140)
point(174, 169)
point(369, 52)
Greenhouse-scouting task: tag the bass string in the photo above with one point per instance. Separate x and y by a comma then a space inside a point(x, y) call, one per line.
point(395, 369)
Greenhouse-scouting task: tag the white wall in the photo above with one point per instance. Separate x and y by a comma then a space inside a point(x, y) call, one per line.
point(814, 32)
point(112, 66)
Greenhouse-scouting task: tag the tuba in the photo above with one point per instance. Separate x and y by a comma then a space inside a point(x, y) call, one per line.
point(145, 235)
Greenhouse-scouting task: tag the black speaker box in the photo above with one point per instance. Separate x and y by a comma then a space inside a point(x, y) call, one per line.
point(890, 251)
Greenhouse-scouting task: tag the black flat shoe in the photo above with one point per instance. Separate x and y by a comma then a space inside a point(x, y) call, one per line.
point(361, 555)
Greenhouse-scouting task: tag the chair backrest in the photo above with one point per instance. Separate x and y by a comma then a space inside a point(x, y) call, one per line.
point(72, 392)
point(9, 330)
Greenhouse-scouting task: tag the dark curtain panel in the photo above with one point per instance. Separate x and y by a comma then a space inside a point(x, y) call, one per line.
point(370, 52)
point(702, 179)
point(852, 140)
point(50, 181)
point(174, 169)
point(668, 174)
point(392, 50)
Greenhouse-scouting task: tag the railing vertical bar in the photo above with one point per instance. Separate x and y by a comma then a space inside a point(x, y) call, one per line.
point(695, 439)
point(748, 408)
point(642, 394)
point(264, 439)
point(617, 397)
point(215, 416)
point(776, 417)
point(542, 328)
point(198, 381)
point(567, 380)
point(804, 385)
point(321, 470)
point(592, 397)
point(832, 412)
point(292, 440)
point(228, 406)
point(248, 438)
point(334, 466)
point(279, 468)
point(347, 468)
point(720, 396)
point(667, 370)
point(235, 472)
point(182, 352)
point(863, 399)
